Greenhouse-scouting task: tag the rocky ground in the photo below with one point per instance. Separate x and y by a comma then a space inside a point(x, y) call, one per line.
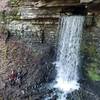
point(88, 91)
point(31, 65)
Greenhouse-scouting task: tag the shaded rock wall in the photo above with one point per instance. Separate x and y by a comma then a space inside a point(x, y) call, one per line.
point(90, 49)
point(38, 33)
point(28, 48)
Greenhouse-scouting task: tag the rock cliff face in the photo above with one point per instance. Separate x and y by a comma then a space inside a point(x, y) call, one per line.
point(29, 47)
point(91, 51)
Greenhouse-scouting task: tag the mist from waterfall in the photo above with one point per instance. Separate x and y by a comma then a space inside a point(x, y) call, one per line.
point(68, 59)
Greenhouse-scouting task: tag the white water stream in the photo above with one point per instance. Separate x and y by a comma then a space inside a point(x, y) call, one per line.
point(68, 60)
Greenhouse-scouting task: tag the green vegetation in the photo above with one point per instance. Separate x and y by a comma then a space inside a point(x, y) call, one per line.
point(92, 72)
point(13, 14)
point(14, 2)
point(91, 57)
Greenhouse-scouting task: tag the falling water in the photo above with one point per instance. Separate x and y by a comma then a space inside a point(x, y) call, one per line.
point(68, 60)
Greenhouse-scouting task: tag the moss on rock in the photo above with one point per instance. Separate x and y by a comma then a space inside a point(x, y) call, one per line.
point(92, 71)
point(91, 55)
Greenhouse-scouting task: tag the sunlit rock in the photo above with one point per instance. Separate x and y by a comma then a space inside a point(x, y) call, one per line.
point(85, 1)
point(4, 5)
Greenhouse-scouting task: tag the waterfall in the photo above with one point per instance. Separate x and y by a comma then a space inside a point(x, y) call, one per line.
point(68, 60)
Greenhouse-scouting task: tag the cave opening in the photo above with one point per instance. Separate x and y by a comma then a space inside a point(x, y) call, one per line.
point(75, 10)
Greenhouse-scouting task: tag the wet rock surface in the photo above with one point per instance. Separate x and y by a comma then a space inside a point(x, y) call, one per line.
point(23, 68)
point(88, 91)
